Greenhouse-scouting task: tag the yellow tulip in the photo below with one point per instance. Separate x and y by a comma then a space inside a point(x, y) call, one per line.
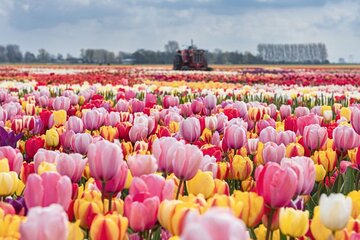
point(59, 117)
point(111, 227)
point(220, 201)
point(52, 138)
point(326, 158)
point(90, 203)
point(109, 133)
point(318, 230)
point(203, 183)
point(352, 155)
point(346, 113)
point(9, 182)
point(320, 172)
point(174, 127)
point(206, 135)
point(258, 159)
point(324, 108)
point(241, 168)
point(223, 170)
point(117, 205)
point(355, 198)
point(46, 167)
point(221, 187)
point(294, 149)
point(128, 181)
point(75, 232)
point(4, 165)
point(252, 208)
point(293, 223)
point(9, 227)
point(260, 233)
point(81, 100)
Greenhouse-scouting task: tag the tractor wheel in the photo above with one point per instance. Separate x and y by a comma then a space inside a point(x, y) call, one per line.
point(177, 62)
point(185, 68)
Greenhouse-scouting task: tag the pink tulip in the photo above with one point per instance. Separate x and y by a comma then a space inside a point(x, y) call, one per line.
point(144, 205)
point(80, 142)
point(14, 157)
point(190, 129)
point(45, 223)
point(355, 119)
point(196, 106)
point(285, 111)
point(345, 138)
point(150, 100)
point(142, 164)
point(153, 184)
point(301, 111)
point(234, 137)
point(305, 170)
point(170, 101)
point(71, 165)
point(138, 132)
point(285, 137)
point(105, 158)
point(46, 189)
point(112, 119)
point(241, 106)
point(74, 123)
point(273, 110)
point(3, 115)
point(65, 139)
point(210, 102)
point(186, 161)
point(122, 106)
point(315, 136)
point(252, 145)
point(273, 152)
point(130, 94)
point(216, 223)
point(221, 121)
point(43, 101)
point(268, 135)
point(92, 119)
point(185, 110)
point(211, 123)
point(306, 120)
point(12, 109)
point(117, 183)
point(276, 184)
point(136, 105)
point(208, 164)
point(43, 155)
point(61, 103)
point(163, 150)
point(262, 124)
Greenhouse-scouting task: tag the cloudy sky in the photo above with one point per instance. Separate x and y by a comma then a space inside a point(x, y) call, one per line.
point(66, 26)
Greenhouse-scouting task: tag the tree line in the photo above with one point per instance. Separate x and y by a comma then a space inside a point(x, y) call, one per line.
point(293, 53)
point(267, 53)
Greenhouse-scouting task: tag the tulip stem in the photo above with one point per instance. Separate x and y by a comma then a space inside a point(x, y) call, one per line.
point(103, 185)
point(179, 188)
point(110, 202)
point(268, 228)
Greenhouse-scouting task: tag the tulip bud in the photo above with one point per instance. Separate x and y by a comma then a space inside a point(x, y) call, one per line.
point(240, 167)
point(202, 183)
point(52, 138)
point(111, 226)
point(293, 223)
point(251, 209)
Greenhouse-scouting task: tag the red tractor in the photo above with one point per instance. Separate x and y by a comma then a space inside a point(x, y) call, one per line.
point(191, 59)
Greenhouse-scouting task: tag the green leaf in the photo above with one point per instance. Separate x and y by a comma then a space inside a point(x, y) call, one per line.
point(349, 181)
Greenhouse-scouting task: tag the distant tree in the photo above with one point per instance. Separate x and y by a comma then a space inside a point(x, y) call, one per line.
point(171, 46)
point(29, 57)
point(60, 57)
point(3, 56)
point(13, 53)
point(43, 56)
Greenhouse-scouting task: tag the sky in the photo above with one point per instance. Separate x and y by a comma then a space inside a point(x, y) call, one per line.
point(66, 26)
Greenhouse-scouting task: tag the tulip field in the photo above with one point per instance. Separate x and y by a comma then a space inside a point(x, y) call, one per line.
point(144, 152)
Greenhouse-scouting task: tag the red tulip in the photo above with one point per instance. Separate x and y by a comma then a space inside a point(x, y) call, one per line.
point(32, 145)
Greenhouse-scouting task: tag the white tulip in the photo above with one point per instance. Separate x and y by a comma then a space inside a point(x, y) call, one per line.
point(335, 211)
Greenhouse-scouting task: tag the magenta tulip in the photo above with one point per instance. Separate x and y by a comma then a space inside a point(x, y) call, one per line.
point(140, 164)
point(315, 136)
point(47, 223)
point(136, 105)
point(144, 205)
point(105, 158)
point(71, 165)
point(46, 189)
point(190, 129)
point(210, 102)
point(276, 184)
point(355, 119)
point(196, 106)
point(117, 183)
point(170, 101)
point(14, 157)
point(306, 120)
point(150, 100)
